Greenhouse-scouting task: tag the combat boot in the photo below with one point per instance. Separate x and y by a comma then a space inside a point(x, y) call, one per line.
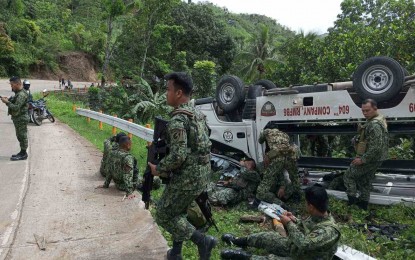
point(232, 240)
point(204, 243)
point(235, 254)
point(175, 253)
point(20, 156)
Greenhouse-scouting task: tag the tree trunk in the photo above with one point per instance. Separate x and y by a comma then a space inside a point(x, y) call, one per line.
point(107, 52)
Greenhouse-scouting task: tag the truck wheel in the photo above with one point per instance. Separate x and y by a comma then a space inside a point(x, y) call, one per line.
point(267, 84)
point(378, 78)
point(254, 91)
point(230, 93)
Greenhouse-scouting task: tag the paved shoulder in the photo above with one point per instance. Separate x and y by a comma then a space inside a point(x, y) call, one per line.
point(78, 221)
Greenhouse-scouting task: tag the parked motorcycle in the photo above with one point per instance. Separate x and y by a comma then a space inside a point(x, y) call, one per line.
point(38, 110)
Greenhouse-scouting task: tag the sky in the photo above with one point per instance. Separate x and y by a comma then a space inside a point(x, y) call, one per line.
point(307, 15)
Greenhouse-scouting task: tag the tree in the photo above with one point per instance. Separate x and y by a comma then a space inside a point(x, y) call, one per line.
point(260, 57)
point(204, 78)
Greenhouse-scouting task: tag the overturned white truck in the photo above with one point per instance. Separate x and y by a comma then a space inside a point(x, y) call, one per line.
point(240, 113)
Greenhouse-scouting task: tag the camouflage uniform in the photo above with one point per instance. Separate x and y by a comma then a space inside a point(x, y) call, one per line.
point(282, 157)
point(189, 163)
point(121, 171)
point(241, 188)
point(109, 146)
point(358, 178)
point(17, 108)
point(313, 238)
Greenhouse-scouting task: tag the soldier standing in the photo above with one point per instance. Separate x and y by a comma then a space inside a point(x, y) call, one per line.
point(371, 149)
point(18, 110)
point(187, 165)
point(316, 237)
point(280, 180)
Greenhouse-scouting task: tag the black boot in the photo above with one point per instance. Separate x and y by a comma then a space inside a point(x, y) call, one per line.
point(362, 204)
point(204, 243)
point(20, 156)
point(235, 254)
point(231, 239)
point(352, 200)
point(175, 253)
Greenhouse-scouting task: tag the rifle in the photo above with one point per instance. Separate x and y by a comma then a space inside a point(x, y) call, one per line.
point(204, 206)
point(155, 152)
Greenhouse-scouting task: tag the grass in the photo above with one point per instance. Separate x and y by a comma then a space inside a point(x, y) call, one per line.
point(227, 219)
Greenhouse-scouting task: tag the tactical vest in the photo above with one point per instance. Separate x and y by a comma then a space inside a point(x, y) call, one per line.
point(278, 143)
point(21, 113)
point(323, 253)
point(116, 159)
point(197, 134)
point(361, 144)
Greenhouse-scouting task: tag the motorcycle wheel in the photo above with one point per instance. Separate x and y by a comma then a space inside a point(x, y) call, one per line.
point(30, 112)
point(50, 116)
point(37, 117)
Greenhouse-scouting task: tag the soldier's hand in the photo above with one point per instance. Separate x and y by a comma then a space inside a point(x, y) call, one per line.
point(153, 169)
point(285, 219)
point(290, 215)
point(357, 161)
point(5, 100)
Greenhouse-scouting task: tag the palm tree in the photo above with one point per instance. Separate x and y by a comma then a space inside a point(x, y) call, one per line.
point(260, 57)
point(147, 103)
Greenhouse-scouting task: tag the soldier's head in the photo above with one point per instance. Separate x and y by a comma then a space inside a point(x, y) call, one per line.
point(369, 108)
point(250, 164)
point(118, 136)
point(125, 143)
point(15, 83)
point(317, 200)
point(179, 88)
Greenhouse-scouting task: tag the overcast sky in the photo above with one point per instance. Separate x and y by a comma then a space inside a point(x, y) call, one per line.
point(308, 15)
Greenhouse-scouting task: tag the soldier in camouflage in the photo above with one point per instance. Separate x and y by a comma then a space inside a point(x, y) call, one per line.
point(371, 149)
point(111, 144)
point(17, 108)
point(280, 181)
point(188, 166)
point(122, 168)
point(238, 189)
point(316, 237)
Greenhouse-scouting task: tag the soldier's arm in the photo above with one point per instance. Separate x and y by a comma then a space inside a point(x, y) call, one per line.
point(128, 171)
point(20, 101)
point(107, 144)
point(177, 145)
point(374, 148)
point(250, 176)
point(314, 240)
point(261, 137)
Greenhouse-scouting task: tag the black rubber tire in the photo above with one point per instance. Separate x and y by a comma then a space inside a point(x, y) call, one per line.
point(249, 109)
point(267, 84)
point(254, 91)
point(378, 78)
point(37, 117)
point(405, 71)
point(50, 116)
point(230, 93)
point(30, 112)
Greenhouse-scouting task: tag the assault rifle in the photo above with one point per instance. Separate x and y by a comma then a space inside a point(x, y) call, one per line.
point(204, 205)
point(155, 152)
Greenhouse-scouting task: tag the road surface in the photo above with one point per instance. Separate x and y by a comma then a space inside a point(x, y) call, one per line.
point(52, 195)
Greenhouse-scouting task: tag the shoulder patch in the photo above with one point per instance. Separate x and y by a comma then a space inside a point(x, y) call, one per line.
point(182, 111)
point(177, 134)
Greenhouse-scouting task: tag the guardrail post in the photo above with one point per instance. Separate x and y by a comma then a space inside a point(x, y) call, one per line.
point(100, 123)
point(130, 135)
point(88, 119)
point(114, 129)
point(73, 107)
point(148, 126)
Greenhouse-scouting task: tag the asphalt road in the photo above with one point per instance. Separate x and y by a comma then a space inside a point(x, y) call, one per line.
point(52, 195)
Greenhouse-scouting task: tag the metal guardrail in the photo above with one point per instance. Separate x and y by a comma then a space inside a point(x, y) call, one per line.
point(137, 130)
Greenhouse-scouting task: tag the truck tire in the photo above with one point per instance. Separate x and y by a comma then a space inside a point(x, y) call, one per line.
point(267, 84)
point(230, 93)
point(254, 91)
point(378, 78)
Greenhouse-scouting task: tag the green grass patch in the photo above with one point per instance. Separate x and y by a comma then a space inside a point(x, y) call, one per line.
point(227, 219)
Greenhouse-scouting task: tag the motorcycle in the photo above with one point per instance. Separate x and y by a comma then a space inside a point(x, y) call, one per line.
point(38, 110)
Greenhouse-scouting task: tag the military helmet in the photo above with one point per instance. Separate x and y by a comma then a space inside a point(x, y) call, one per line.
point(26, 84)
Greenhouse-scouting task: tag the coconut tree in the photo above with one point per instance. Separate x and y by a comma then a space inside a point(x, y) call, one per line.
point(260, 57)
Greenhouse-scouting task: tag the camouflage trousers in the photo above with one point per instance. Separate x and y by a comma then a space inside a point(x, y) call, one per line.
point(172, 212)
point(273, 179)
point(226, 196)
point(20, 126)
point(359, 179)
point(272, 242)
